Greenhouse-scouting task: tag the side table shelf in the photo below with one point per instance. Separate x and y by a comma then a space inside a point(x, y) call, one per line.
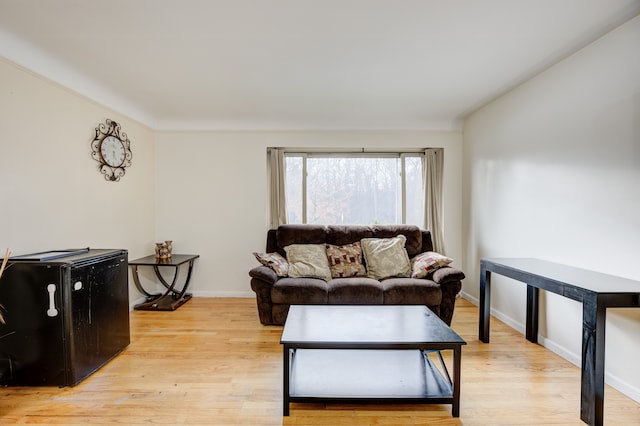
point(172, 298)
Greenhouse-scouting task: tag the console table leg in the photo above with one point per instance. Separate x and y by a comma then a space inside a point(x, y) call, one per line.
point(285, 376)
point(485, 303)
point(593, 340)
point(533, 296)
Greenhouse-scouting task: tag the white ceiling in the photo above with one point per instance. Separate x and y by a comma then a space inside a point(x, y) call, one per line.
point(299, 64)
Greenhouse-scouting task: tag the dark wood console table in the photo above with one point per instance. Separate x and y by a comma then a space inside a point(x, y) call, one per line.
point(596, 292)
point(172, 298)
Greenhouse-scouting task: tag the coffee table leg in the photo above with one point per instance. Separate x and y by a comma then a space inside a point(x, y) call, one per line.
point(285, 383)
point(457, 354)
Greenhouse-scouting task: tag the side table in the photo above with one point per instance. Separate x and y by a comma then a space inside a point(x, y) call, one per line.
point(172, 298)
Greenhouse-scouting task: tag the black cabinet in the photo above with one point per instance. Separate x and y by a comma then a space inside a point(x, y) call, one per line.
point(66, 314)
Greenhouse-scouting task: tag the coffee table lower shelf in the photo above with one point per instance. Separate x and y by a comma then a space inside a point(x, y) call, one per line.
point(367, 375)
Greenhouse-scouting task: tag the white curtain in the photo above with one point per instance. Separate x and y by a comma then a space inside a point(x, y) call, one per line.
point(275, 175)
point(432, 170)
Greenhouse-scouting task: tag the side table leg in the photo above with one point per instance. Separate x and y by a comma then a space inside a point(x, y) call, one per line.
point(176, 294)
point(164, 282)
point(593, 340)
point(186, 281)
point(485, 303)
point(136, 281)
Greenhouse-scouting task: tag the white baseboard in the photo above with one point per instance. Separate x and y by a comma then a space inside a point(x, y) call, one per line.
point(575, 359)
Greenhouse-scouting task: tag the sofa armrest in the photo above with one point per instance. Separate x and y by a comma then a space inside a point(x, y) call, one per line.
point(264, 273)
point(450, 283)
point(262, 280)
point(447, 274)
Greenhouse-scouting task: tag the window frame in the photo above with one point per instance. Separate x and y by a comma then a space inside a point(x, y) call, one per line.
point(402, 155)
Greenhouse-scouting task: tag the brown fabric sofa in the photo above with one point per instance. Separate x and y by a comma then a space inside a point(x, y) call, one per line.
point(275, 294)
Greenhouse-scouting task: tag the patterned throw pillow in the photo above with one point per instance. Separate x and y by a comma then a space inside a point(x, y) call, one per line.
point(386, 257)
point(346, 261)
point(427, 262)
point(308, 260)
point(274, 261)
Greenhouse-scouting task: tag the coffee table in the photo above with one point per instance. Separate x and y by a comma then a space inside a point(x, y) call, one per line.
point(362, 354)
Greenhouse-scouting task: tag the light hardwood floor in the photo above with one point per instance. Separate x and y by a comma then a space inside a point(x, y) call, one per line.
point(212, 363)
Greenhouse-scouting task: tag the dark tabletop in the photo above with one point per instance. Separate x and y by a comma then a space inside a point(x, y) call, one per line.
point(174, 260)
point(582, 278)
point(362, 324)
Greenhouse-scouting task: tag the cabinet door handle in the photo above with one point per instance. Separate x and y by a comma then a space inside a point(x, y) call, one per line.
point(52, 311)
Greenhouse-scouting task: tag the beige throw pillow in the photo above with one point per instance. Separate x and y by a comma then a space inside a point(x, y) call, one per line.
point(386, 257)
point(308, 260)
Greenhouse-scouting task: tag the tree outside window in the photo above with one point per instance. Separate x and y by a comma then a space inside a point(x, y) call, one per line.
point(354, 189)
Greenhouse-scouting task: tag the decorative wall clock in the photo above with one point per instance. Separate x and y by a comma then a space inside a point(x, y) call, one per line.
point(111, 148)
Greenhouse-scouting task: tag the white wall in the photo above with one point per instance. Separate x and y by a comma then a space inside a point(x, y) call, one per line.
point(211, 194)
point(552, 170)
point(51, 193)
point(204, 190)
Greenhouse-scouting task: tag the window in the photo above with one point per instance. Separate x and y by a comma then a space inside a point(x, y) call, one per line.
point(354, 188)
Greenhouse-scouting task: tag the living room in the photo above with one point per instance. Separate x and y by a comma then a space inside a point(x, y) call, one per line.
point(548, 169)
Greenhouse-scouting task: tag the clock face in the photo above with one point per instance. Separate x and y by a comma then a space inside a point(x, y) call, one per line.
point(111, 148)
point(112, 151)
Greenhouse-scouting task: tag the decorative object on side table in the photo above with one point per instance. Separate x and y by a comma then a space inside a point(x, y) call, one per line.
point(112, 149)
point(163, 250)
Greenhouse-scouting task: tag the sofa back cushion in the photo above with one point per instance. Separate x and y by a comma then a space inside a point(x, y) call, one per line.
point(299, 234)
point(340, 235)
point(427, 243)
point(418, 240)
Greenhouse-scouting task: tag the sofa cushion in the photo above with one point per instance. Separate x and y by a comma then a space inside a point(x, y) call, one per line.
point(425, 263)
point(299, 291)
point(274, 261)
point(354, 291)
point(308, 260)
point(386, 257)
point(345, 261)
point(427, 244)
point(300, 234)
point(411, 291)
point(340, 235)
